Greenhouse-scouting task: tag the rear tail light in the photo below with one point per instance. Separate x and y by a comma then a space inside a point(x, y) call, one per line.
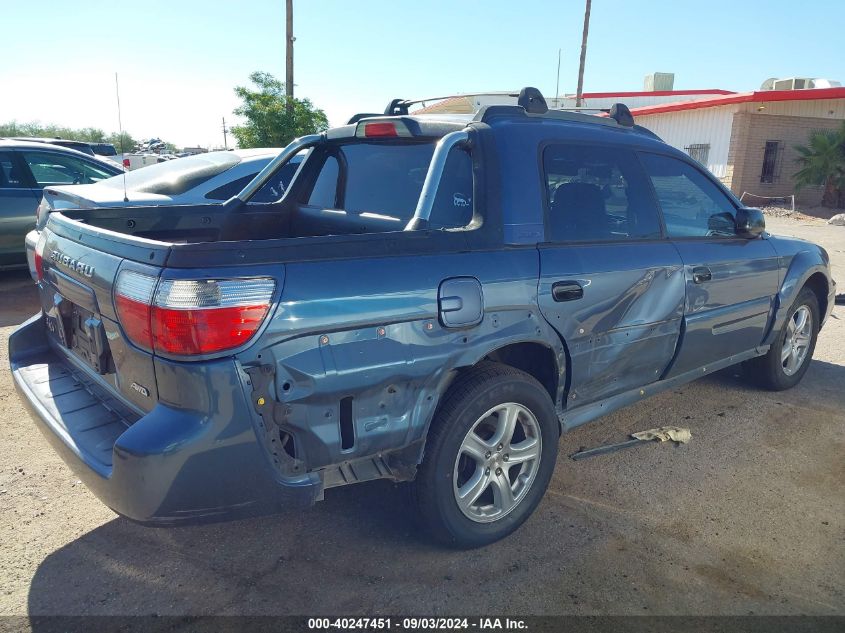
point(39, 266)
point(188, 317)
point(38, 257)
point(133, 295)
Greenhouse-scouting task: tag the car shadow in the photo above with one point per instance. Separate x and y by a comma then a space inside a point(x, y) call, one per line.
point(18, 296)
point(123, 568)
point(822, 385)
point(359, 551)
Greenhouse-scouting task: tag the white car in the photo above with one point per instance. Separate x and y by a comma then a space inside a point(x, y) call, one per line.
point(200, 179)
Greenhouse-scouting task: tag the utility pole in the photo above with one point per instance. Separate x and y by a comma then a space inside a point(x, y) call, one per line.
point(289, 57)
point(583, 55)
point(225, 131)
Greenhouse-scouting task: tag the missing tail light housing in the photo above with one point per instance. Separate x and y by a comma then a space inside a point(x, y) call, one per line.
point(191, 317)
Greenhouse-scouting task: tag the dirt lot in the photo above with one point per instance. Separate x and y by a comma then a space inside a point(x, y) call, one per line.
point(747, 518)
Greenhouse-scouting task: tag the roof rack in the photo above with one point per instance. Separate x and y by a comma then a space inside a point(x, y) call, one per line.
point(529, 99)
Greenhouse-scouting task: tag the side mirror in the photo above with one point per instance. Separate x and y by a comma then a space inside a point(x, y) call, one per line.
point(750, 222)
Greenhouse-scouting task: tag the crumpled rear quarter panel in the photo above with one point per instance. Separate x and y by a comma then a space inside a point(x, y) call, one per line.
point(369, 329)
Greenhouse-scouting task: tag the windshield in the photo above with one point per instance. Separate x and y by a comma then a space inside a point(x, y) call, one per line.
point(176, 176)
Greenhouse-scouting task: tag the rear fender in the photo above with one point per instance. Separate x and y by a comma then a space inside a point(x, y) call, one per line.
point(395, 376)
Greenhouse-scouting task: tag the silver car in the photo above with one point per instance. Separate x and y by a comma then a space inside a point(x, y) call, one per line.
point(27, 167)
point(201, 179)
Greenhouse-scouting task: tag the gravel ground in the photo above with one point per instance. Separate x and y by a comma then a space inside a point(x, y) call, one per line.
point(746, 518)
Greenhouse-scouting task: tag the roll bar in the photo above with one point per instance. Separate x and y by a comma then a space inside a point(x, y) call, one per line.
point(295, 146)
point(432, 178)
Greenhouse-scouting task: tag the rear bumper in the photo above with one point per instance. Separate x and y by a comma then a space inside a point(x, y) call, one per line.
point(30, 242)
point(168, 466)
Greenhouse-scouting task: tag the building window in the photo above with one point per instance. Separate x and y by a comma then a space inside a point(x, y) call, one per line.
point(699, 152)
point(772, 156)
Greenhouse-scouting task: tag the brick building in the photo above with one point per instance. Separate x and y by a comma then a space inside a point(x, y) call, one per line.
point(748, 139)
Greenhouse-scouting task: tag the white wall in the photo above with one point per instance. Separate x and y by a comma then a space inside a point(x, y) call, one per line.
point(631, 102)
point(691, 127)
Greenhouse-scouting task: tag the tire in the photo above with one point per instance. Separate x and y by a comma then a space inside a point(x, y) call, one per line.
point(776, 372)
point(468, 451)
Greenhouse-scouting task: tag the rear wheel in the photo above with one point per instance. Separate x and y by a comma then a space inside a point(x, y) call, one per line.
point(489, 456)
point(789, 356)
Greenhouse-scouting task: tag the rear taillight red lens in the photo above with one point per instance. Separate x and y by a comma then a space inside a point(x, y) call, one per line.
point(380, 130)
point(133, 295)
point(39, 266)
point(38, 258)
point(189, 317)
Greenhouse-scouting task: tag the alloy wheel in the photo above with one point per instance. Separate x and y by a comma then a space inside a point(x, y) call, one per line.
point(497, 462)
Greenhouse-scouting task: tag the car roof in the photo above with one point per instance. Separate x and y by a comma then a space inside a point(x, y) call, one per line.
point(52, 147)
point(48, 140)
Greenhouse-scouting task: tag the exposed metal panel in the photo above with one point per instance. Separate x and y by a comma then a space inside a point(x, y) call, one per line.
point(707, 126)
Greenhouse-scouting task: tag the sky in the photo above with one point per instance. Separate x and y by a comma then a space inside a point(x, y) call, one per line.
point(179, 60)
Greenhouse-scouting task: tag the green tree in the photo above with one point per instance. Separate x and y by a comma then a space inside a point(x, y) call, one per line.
point(50, 130)
point(268, 122)
point(123, 143)
point(822, 162)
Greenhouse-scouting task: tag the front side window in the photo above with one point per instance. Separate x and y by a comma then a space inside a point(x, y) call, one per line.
point(692, 205)
point(57, 169)
point(596, 194)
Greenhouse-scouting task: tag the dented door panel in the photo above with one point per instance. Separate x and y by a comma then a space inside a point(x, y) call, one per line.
point(623, 331)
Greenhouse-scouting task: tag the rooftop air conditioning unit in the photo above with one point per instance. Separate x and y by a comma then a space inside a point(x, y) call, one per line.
point(798, 83)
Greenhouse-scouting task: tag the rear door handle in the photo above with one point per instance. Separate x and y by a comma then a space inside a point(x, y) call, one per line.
point(567, 291)
point(700, 274)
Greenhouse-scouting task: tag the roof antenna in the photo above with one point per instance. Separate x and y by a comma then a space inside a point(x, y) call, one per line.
point(557, 85)
point(120, 131)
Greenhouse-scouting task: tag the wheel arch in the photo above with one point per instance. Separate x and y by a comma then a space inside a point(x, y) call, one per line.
point(806, 269)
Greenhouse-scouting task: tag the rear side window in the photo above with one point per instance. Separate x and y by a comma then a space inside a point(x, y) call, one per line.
point(597, 194)
point(10, 176)
point(58, 169)
point(453, 203)
point(692, 205)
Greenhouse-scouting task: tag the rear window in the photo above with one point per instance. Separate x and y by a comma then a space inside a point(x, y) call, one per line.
point(175, 177)
point(386, 179)
point(104, 149)
point(382, 178)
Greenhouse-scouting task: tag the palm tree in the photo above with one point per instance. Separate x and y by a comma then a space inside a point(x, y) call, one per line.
point(822, 162)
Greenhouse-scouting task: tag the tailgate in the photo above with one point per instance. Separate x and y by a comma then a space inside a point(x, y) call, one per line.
point(79, 271)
